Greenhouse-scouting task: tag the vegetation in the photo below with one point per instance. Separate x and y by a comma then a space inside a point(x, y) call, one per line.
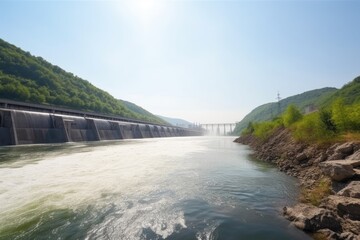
point(336, 122)
point(319, 190)
point(349, 93)
point(140, 111)
point(339, 122)
point(267, 112)
point(291, 115)
point(24, 77)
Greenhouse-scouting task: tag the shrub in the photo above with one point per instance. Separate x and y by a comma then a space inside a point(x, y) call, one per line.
point(346, 117)
point(291, 115)
point(249, 129)
point(264, 129)
point(326, 119)
point(311, 128)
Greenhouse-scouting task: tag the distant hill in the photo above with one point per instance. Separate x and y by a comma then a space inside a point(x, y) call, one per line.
point(27, 78)
point(176, 121)
point(350, 93)
point(139, 110)
point(268, 111)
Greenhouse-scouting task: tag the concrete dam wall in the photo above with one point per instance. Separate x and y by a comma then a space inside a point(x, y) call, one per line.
point(28, 127)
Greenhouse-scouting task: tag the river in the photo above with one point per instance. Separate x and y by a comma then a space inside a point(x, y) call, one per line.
point(163, 188)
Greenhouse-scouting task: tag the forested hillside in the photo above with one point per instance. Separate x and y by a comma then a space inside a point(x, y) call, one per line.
point(269, 111)
point(24, 77)
point(337, 120)
point(349, 93)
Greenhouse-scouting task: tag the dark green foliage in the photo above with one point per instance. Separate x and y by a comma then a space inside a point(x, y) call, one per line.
point(327, 120)
point(27, 78)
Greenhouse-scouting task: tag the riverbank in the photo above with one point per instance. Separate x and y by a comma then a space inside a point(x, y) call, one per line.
point(329, 206)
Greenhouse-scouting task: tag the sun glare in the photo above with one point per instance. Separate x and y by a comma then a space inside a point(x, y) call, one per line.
point(146, 10)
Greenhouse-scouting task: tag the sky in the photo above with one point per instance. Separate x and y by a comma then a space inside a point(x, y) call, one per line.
point(203, 61)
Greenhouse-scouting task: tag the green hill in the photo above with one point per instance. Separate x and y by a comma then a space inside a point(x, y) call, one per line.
point(139, 110)
point(177, 122)
point(350, 93)
point(27, 78)
point(268, 111)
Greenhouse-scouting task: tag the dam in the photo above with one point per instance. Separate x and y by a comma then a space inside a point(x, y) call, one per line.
point(23, 123)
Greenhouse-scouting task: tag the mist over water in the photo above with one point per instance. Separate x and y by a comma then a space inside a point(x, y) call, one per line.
point(166, 188)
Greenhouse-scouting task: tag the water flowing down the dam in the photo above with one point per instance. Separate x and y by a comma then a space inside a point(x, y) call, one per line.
point(158, 188)
point(19, 127)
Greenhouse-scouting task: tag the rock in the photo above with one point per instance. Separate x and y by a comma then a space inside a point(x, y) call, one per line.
point(355, 156)
point(330, 235)
point(353, 162)
point(326, 234)
point(351, 190)
point(337, 155)
point(301, 157)
point(346, 148)
point(348, 236)
point(321, 158)
point(344, 206)
point(312, 219)
point(337, 170)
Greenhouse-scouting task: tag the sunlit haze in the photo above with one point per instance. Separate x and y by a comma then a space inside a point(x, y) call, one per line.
point(203, 61)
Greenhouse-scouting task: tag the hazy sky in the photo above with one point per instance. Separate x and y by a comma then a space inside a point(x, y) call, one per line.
point(204, 61)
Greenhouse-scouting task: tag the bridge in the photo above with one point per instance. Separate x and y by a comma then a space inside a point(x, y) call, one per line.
point(222, 129)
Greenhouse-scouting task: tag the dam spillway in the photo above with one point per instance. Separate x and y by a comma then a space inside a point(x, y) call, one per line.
point(18, 127)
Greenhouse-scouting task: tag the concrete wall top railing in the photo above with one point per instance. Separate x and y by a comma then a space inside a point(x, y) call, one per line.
point(49, 125)
point(10, 104)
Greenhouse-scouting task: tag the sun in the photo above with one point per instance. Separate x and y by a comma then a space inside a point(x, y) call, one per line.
point(146, 10)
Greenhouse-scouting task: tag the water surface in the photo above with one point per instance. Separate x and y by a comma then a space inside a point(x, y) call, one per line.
point(166, 188)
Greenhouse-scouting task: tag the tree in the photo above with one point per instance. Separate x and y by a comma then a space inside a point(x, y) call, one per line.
point(340, 115)
point(291, 115)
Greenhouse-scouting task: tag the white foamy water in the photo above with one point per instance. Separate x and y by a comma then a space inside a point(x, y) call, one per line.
point(169, 188)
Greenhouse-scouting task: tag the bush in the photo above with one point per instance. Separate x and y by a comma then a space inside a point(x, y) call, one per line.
point(249, 129)
point(291, 115)
point(346, 117)
point(264, 129)
point(311, 128)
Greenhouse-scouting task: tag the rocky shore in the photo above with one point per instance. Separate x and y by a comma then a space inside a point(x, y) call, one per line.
point(336, 214)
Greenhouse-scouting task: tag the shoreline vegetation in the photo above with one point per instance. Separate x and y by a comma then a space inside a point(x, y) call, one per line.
point(321, 149)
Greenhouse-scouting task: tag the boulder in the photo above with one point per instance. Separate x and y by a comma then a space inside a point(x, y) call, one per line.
point(337, 156)
point(346, 148)
point(338, 170)
point(355, 156)
point(311, 218)
point(348, 236)
point(301, 157)
point(344, 206)
point(330, 235)
point(353, 162)
point(326, 234)
point(351, 190)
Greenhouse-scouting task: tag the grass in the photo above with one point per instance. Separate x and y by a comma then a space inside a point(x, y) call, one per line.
point(351, 137)
point(320, 189)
